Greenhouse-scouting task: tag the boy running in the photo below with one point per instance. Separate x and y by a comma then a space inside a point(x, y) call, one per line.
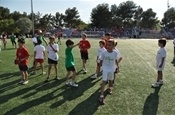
point(84, 46)
point(22, 56)
point(39, 56)
point(160, 62)
point(69, 63)
point(101, 49)
point(108, 60)
point(12, 38)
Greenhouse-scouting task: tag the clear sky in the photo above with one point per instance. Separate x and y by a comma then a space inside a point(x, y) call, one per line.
point(83, 6)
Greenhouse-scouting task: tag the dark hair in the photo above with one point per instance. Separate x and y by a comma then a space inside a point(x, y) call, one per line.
point(108, 34)
point(162, 41)
point(39, 42)
point(116, 42)
point(21, 41)
point(51, 37)
point(102, 42)
point(69, 42)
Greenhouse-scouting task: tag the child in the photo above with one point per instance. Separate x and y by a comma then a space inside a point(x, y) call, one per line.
point(84, 46)
point(119, 58)
point(173, 62)
point(161, 56)
point(22, 56)
point(108, 60)
point(4, 37)
point(12, 38)
point(101, 49)
point(52, 50)
point(69, 63)
point(106, 38)
point(39, 56)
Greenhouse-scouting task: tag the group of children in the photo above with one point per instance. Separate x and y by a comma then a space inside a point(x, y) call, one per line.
point(108, 59)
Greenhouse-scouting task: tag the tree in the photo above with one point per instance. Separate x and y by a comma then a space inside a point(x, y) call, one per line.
point(16, 15)
point(101, 16)
point(24, 24)
point(126, 11)
point(169, 18)
point(137, 15)
point(149, 19)
point(37, 16)
point(45, 22)
point(4, 13)
point(72, 18)
point(58, 20)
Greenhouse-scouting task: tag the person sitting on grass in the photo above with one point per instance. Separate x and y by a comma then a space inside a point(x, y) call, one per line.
point(160, 62)
point(101, 49)
point(53, 57)
point(39, 56)
point(69, 63)
point(108, 60)
point(84, 46)
point(22, 57)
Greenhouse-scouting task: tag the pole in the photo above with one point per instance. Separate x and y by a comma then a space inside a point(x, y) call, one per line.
point(32, 17)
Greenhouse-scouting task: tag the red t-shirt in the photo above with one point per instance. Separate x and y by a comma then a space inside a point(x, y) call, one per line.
point(22, 53)
point(84, 45)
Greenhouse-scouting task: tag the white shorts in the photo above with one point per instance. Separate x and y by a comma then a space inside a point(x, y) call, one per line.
point(107, 76)
point(160, 69)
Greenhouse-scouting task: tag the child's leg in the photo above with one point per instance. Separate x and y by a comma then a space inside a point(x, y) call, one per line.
point(84, 63)
point(42, 67)
point(103, 88)
point(159, 75)
point(35, 66)
point(26, 75)
point(49, 69)
point(73, 76)
point(22, 75)
point(56, 70)
point(98, 70)
point(68, 75)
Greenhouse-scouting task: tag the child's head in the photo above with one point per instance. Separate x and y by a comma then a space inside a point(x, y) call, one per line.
point(51, 39)
point(108, 35)
point(84, 36)
point(110, 44)
point(162, 42)
point(102, 43)
point(39, 42)
point(21, 42)
point(69, 43)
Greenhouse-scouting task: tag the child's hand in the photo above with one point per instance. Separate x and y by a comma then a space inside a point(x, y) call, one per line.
point(160, 66)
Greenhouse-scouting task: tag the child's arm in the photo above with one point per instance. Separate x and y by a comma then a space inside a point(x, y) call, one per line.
point(116, 61)
point(44, 53)
point(75, 45)
point(53, 48)
point(44, 41)
point(163, 59)
point(34, 54)
point(119, 60)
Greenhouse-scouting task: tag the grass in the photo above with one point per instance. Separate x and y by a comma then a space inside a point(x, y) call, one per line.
point(132, 93)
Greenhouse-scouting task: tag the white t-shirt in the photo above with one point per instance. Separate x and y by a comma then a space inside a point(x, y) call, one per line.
point(160, 54)
point(109, 61)
point(118, 53)
point(34, 40)
point(39, 51)
point(174, 42)
point(51, 54)
point(99, 52)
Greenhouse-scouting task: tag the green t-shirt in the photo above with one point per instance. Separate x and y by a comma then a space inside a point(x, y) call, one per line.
point(12, 37)
point(69, 61)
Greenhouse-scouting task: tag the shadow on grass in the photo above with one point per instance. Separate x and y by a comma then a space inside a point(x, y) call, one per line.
point(88, 106)
point(151, 103)
point(73, 93)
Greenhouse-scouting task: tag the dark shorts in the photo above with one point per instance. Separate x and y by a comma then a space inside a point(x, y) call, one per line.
point(13, 42)
point(72, 68)
point(84, 55)
point(50, 61)
point(23, 67)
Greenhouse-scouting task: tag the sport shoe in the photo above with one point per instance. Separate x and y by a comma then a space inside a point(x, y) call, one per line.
point(44, 73)
point(67, 83)
point(57, 78)
point(109, 91)
point(161, 82)
point(21, 82)
point(94, 76)
point(73, 84)
point(156, 84)
point(101, 100)
point(25, 82)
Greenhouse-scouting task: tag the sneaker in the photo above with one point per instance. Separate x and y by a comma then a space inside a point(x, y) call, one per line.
point(109, 91)
point(101, 100)
point(94, 76)
point(57, 78)
point(161, 82)
point(73, 84)
point(21, 82)
point(156, 84)
point(44, 73)
point(67, 83)
point(25, 82)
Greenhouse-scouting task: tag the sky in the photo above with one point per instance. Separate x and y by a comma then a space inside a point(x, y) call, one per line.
point(83, 6)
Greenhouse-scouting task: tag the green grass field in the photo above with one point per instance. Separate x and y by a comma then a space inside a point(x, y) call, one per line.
point(132, 94)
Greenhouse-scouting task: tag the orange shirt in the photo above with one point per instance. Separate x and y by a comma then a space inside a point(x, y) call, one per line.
point(84, 45)
point(22, 53)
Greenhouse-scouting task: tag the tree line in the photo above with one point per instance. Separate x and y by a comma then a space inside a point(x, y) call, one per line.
point(127, 15)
